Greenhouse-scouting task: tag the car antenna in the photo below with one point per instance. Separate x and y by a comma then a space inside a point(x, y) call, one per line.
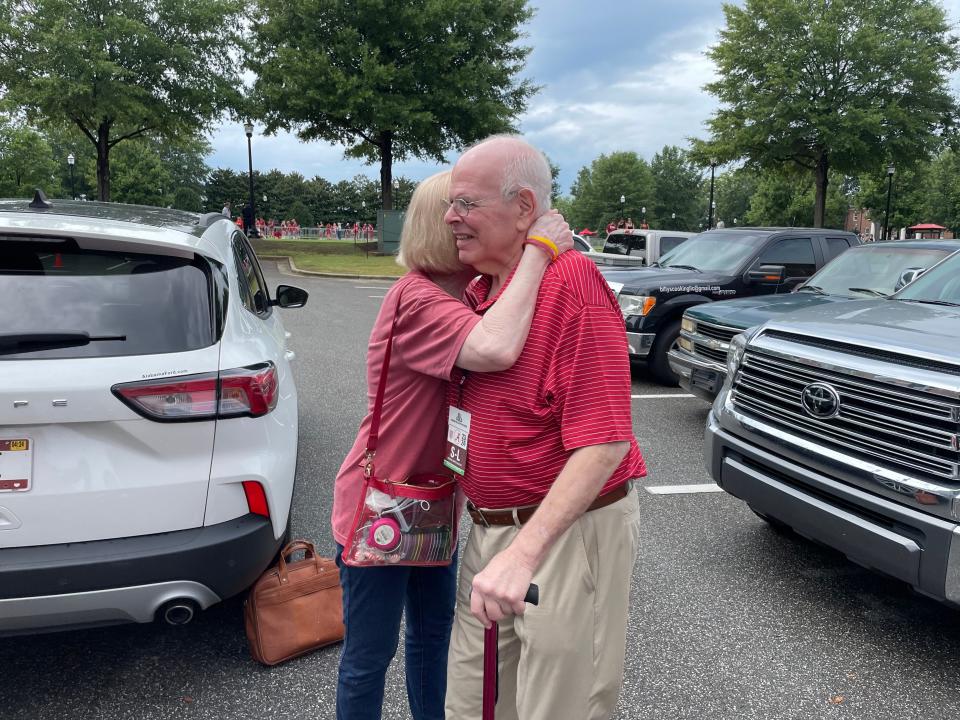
point(40, 201)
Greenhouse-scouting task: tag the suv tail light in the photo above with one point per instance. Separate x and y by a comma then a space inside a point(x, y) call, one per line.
point(242, 392)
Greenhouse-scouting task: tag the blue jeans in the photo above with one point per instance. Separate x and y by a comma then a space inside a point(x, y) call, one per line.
point(374, 599)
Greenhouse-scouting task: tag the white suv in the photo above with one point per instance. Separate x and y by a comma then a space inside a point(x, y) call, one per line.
point(148, 415)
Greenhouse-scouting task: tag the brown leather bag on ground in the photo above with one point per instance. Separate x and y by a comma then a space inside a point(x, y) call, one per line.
point(294, 607)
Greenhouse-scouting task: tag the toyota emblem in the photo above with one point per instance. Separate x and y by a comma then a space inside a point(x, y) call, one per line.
point(820, 400)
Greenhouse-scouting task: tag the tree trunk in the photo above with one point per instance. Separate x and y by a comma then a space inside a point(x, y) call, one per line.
point(103, 163)
point(386, 169)
point(820, 180)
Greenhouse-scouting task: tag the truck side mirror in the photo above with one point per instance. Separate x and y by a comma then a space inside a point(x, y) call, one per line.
point(908, 276)
point(767, 274)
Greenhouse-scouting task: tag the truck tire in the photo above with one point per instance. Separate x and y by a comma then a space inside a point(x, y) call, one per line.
point(659, 366)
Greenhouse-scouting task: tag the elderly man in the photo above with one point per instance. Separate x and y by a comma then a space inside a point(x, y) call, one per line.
point(548, 463)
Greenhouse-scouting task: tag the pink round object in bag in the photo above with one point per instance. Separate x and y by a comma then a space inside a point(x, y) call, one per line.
point(384, 535)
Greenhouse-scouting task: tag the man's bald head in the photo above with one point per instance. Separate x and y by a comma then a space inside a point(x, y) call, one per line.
point(520, 165)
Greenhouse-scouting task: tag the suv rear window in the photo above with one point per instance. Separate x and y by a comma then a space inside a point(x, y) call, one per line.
point(138, 304)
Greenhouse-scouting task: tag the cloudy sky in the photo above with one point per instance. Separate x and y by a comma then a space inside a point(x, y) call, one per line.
point(616, 75)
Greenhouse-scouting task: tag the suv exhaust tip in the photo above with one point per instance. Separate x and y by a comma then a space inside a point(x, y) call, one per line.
point(180, 611)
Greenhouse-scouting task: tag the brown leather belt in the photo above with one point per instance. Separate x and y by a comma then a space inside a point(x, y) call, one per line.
point(518, 516)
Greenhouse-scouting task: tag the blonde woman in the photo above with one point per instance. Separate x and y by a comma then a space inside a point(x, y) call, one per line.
point(435, 332)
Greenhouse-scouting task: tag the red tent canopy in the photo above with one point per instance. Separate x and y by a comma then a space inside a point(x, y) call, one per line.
point(927, 226)
point(587, 231)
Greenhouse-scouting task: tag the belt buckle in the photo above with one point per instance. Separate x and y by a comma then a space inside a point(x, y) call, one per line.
point(479, 512)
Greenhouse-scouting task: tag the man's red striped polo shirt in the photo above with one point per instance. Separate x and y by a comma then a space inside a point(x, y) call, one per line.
point(569, 389)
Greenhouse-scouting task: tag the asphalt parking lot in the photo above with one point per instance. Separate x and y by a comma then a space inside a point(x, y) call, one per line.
point(731, 619)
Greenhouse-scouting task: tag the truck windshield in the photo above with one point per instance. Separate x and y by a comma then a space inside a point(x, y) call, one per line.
point(872, 269)
point(718, 252)
point(940, 286)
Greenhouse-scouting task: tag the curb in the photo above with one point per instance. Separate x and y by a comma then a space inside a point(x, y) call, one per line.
point(313, 273)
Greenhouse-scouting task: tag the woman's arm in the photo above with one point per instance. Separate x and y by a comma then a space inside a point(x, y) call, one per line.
point(496, 341)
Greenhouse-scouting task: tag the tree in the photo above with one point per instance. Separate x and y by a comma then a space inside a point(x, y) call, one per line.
point(675, 188)
point(733, 192)
point(598, 188)
point(910, 196)
point(827, 84)
point(26, 162)
point(390, 80)
point(121, 69)
point(785, 199)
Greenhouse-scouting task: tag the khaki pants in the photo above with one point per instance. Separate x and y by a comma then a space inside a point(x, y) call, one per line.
point(564, 658)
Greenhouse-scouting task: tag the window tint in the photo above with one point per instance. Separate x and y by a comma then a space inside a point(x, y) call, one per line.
point(796, 254)
point(626, 244)
point(146, 304)
point(253, 289)
point(669, 243)
point(835, 246)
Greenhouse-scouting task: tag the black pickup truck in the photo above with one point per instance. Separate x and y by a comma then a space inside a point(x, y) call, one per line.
point(715, 265)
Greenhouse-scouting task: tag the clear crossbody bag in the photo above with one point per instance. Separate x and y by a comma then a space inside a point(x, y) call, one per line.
point(412, 522)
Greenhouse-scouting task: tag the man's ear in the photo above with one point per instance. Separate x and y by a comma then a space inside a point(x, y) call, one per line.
point(527, 202)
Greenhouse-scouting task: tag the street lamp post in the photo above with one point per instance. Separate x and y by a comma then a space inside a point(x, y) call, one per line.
point(623, 202)
point(643, 210)
point(252, 228)
point(70, 161)
point(886, 217)
point(713, 165)
point(673, 221)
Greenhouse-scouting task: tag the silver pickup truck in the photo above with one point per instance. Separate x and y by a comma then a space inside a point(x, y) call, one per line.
point(843, 423)
point(625, 248)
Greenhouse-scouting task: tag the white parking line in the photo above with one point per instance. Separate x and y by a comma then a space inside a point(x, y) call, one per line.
point(380, 297)
point(664, 395)
point(683, 489)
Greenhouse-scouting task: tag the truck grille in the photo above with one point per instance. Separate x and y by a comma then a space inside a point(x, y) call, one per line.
point(712, 341)
point(717, 332)
point(898, 428)
point(719, 356)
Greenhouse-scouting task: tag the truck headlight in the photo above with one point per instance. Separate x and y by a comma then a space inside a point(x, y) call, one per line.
point(738, 345)
point(688, 324)
point(636, 304)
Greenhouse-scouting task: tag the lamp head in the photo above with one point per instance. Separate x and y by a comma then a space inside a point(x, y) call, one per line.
point(248, 129)
point(890, 169)
point(622, 199)
point(71, 159)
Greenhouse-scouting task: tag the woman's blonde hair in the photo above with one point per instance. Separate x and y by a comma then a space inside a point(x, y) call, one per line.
point(426, 241)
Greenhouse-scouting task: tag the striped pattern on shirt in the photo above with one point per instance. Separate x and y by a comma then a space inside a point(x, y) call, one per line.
point(569, 389)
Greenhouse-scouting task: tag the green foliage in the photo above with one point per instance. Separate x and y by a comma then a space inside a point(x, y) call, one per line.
point(732, 194)
point(598, 189)
point(26, 162)
point(785, 199)
point(120, 69)
point(186, 198)
point(300, 212)
point(391, 80)
point(827, 84)
point(676, 183)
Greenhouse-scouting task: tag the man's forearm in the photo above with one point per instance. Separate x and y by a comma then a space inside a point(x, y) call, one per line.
point(578, 485)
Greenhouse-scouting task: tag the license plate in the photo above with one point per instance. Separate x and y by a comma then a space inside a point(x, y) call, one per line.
point(707, 379)
point(16, 464)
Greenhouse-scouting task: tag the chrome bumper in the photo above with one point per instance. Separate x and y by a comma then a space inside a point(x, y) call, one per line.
point(873, 531)
point(697, 375)
point(640, 343)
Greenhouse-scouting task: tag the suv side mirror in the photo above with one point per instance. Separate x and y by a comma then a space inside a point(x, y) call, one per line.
point(289, 296)
point(767, 274)
point(908, 276)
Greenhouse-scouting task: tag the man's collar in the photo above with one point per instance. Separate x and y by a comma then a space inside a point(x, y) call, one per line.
point(480, 289)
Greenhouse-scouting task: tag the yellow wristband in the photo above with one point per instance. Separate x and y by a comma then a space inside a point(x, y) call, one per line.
point(547, 242)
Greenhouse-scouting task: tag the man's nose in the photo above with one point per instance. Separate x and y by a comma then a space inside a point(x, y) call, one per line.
point(450, 216)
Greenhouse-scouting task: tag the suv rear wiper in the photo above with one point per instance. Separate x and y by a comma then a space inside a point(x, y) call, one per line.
point(869, 291)
point(812, 288)
point(685, 267)
point(36, 341)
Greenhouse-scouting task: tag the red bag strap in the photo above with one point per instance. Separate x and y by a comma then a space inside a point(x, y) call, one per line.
point(368, 469)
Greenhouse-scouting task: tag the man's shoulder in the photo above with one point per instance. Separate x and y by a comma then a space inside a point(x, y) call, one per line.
point(577, 275)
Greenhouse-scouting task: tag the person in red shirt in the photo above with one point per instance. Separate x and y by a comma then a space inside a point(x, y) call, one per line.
point(550, 462)
point(435, 331)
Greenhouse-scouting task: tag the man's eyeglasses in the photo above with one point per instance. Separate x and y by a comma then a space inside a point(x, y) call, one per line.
point(462, 206)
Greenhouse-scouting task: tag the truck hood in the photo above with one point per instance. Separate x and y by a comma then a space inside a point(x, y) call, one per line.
point(647, 280)
point(911, 328)
point(746, 312)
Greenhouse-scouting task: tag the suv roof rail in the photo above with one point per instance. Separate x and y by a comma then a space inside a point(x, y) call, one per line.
point(208, 219)
point(40, 201)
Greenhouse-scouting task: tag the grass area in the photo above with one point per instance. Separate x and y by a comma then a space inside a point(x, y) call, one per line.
point(341, 257)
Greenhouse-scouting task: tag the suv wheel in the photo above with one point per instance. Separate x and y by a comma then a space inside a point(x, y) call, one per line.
point(666, 341)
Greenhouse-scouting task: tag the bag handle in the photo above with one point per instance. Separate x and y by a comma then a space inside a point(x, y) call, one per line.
point(371, 450)
point(309, 551)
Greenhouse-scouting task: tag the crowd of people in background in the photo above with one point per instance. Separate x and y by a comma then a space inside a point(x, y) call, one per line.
point(625, 224)
point(292, 229)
